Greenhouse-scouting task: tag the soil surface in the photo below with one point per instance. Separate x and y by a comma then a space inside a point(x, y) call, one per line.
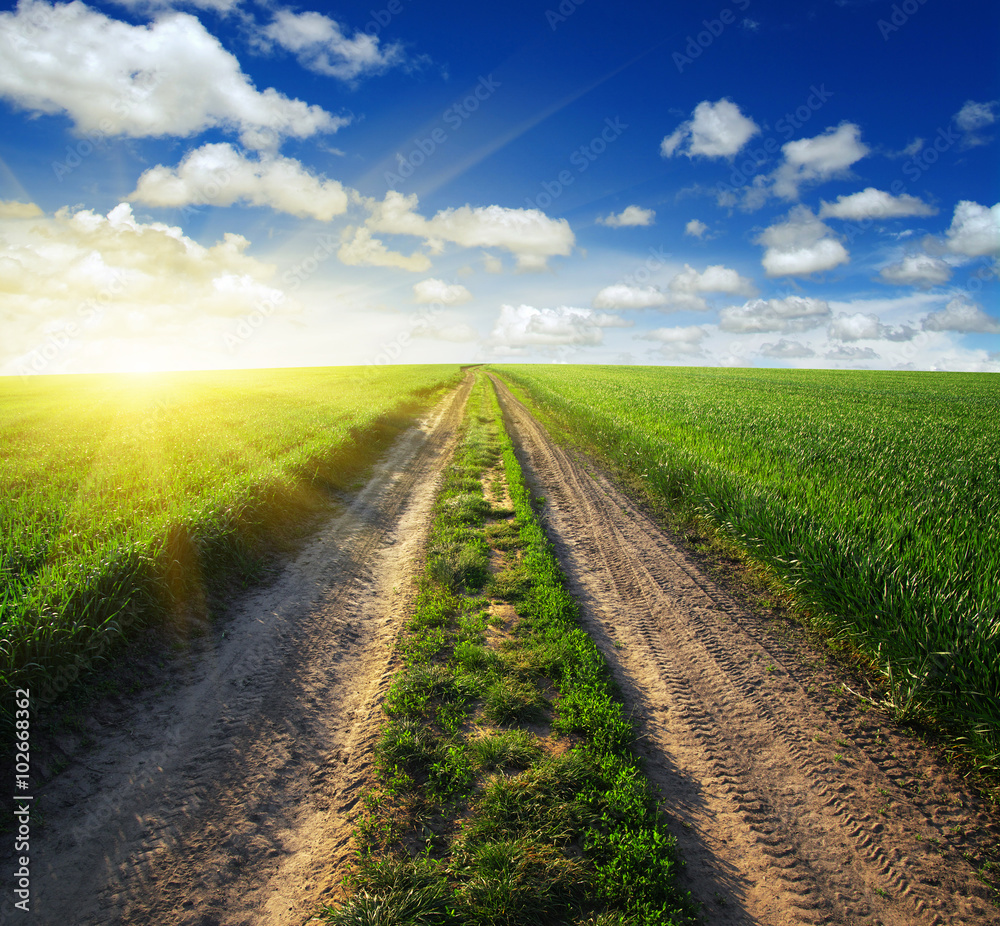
point(224, 797)
point(790, 804)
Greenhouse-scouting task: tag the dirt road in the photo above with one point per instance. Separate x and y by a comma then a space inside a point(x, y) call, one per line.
point(791, 806)
point(223, 799)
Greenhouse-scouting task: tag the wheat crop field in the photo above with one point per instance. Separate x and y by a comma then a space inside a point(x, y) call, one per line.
point(874, 494)
point(130, 499)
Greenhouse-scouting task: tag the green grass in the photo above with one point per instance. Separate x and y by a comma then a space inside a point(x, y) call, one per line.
point(874, 494)
point(507, 791)
point(129, 502)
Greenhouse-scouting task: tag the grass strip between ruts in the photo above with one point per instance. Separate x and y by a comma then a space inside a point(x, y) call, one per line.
point(507, 790)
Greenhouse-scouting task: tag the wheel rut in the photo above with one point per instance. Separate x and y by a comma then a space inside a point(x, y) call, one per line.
point(224, 797)
point(788, 809)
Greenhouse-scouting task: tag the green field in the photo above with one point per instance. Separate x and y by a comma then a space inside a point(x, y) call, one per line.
point(130, 500)
point(874, 493)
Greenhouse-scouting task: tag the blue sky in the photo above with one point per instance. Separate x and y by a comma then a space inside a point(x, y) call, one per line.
point(226, 183)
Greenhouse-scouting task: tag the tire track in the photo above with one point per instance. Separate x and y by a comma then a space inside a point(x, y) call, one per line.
point(779, 805)
point(225, 797)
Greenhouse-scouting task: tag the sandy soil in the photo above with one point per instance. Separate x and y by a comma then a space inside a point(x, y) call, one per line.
point(223, 798)
point(791, 805)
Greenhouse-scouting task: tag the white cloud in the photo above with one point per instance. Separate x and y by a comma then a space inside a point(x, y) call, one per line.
point(92, 277)
point(680, 342)
point(530, 235)
point(959, 315)
point(695, 228)
point(851, 353)
point(713, 279)
point(793, 313)
point(360, 248)
point(917, 270)
point(975, 116)
point(623, 296)
point(434, 290)
point(874, 204)
point(687, 334)
point(526, 326)
point(146, 6)
point(974, 231)
point(320, 45)
point(805, 161)
point(683, 291)
point(219, 175)
point(785, 349)
point(866, 327)
point(715, 130)
point(11, 209)
point(813, 160)
point(171, 77)
point(858, 327)
point(630, 215)
point(800, 245)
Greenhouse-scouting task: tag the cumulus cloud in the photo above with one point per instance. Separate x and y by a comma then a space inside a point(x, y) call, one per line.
point(630, 215)
point(219, 175)
point(974, 231)
point(713, 279)
point(972, 118)
point(962, 316)
point(800, 245)
point(525, 326)
point(683, 291)
point(530, 235)
point(874, 204)
point(11, 209)
point(434, 290)
point(360, 248)
point(623, 296)
point(146, 6)
point(851, 353)
point(90, 276)
point(817, 159)
point(170, 77)
point(791, 314)
point(320, 44)
point(785, 349)
point(917, 270)
point(974, 115)
point(679, 342)
point(867, 327)
point(715, 130)
point(858, 327)
point(695, 229)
